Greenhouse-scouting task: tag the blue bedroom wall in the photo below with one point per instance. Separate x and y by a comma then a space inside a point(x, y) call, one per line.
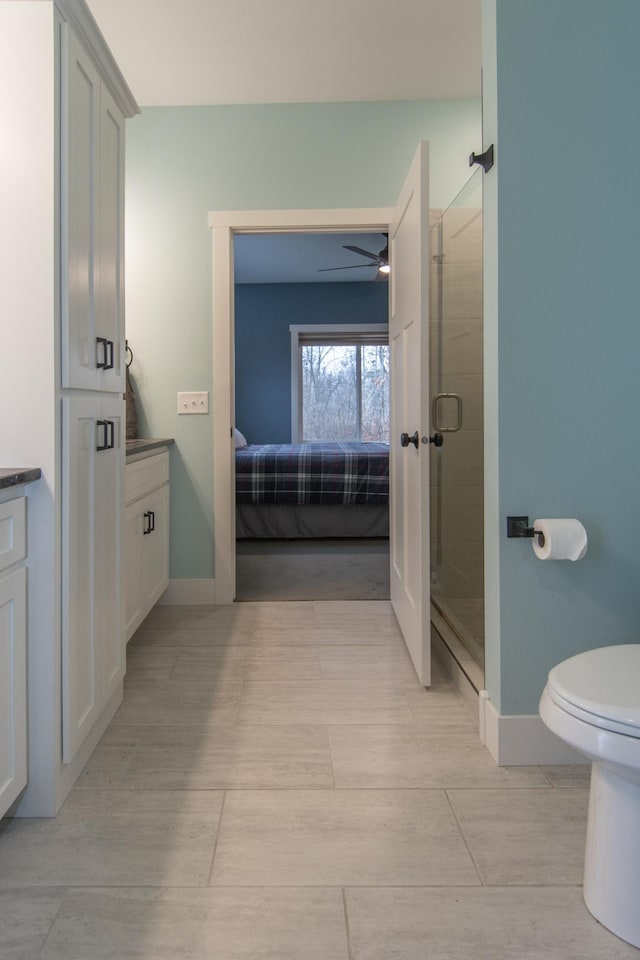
point(566, 338)
point(264, 312)
point(183, 162)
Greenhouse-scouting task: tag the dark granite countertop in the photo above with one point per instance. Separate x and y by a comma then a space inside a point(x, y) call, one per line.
point(16, 476)
point(141, 446)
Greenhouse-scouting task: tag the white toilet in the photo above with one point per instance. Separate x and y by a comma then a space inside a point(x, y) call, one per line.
point(592, 702)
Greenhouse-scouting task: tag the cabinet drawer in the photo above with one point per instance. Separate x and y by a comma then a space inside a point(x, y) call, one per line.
point(12, 532)
point(143, 476)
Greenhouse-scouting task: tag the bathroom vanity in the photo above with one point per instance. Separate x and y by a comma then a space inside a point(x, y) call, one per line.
point(146, 535)
point(13, 633)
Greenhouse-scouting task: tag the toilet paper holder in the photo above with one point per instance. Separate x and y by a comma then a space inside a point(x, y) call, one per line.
point(519, 527)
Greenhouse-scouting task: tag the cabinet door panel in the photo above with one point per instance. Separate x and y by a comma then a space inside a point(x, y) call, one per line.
point(92, 613)
point(80, 696)
point(155, 547)
point(79, 198)
point(13, 688)
point(108, 511)
point(132, 557)
point(110, 244)
point(92, 218)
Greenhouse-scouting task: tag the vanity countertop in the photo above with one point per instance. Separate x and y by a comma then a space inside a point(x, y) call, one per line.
point(141, 446)
point(16, 476)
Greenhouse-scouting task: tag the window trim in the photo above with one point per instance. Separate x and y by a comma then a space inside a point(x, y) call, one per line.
point(301, 329)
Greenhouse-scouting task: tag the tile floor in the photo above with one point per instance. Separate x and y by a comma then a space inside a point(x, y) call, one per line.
point(276, 785)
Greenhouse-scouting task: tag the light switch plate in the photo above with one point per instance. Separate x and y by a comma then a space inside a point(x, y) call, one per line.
point(194, 402)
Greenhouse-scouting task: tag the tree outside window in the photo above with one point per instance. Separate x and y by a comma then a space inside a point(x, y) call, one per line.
point(345, 391)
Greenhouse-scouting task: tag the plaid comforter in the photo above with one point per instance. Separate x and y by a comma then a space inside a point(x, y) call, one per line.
point(313, 473)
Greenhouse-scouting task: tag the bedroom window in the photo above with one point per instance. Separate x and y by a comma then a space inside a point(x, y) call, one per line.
point(340, 381)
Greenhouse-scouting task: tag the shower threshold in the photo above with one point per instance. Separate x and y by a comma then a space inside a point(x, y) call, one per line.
point(463, 646)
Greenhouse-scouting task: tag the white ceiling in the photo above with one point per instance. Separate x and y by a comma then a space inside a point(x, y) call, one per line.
point(200, 52)
point(291, 51)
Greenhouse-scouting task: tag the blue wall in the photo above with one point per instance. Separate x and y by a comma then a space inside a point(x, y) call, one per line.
point(264, 312)
point(566, 338)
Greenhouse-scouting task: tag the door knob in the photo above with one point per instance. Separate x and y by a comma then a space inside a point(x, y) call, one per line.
point(437, 439)
point(405, 439)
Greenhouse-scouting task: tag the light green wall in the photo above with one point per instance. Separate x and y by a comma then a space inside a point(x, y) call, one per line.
point(183, 162)
point(564, 332)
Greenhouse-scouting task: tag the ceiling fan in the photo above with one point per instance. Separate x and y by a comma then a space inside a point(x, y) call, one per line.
point(379, 260)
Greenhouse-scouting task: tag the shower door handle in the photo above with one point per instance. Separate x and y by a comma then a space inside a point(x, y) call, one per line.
point(435, 412)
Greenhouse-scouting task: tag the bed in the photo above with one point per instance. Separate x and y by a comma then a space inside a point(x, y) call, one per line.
point(291, 491)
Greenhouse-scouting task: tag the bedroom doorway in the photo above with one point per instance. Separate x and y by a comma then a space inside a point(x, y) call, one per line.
point(324, 381)
point(407, 227)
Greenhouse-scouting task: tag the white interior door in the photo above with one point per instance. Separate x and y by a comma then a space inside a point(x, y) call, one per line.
point(409, 342)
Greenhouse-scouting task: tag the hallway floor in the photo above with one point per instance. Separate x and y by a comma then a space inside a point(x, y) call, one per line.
point(277, 785)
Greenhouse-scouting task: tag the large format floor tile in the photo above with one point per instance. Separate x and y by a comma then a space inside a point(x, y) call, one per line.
point(26, 916)
point(226, 924)
point(387, 837)
point(413, 756)
point(524, 836)
point(329, 700)
point(168, 702)
point(111, 837)
point(497, 923)
point(230, 757)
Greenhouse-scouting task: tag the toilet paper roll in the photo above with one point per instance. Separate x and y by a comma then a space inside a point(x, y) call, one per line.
point(564, 539)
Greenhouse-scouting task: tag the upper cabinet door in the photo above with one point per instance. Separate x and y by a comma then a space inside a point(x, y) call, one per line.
point(92, 218)
point(110, 240)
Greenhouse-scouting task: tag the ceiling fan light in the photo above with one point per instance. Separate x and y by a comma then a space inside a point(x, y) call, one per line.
point(384, 268)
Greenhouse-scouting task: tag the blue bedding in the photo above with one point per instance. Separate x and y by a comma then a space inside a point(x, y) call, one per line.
point(346, 473)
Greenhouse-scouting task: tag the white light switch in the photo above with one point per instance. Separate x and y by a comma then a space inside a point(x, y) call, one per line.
point(193, 402)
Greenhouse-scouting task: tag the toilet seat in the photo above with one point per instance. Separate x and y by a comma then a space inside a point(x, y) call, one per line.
point(601, 687)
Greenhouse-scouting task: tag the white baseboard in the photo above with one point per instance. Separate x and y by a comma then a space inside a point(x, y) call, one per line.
point(189, 593)
point(521, 740)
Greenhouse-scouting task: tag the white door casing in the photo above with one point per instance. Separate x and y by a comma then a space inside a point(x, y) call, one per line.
point(409, 402)
point(224, 224)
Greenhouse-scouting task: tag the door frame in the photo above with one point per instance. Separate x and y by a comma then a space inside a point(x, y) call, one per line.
point(224, 225)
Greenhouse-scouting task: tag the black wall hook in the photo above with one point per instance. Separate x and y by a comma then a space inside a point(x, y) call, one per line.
point(519, 527)
point(484, 159)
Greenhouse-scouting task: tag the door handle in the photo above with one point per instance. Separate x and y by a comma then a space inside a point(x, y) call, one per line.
point(435, 410)
point(405, 439)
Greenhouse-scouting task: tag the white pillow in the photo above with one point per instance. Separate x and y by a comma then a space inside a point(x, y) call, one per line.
point(239, 438)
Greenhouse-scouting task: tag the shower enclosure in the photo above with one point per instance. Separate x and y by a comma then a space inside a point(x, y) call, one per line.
point(456, 368)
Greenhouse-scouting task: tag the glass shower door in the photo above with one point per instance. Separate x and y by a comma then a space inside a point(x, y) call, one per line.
point(456, 371)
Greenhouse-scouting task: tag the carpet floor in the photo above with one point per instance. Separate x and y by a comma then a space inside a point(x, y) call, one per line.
point(312, 569)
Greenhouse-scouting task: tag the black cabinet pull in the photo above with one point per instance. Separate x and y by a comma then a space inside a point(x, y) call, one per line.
point(104, 445)
point(108, 437)
point(150, 517)
point(107, 353)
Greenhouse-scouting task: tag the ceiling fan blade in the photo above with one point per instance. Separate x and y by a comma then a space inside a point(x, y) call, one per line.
point(355, 266)
point(364, 253)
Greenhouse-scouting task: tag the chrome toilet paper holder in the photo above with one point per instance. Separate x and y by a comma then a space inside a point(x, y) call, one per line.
point(519, 527)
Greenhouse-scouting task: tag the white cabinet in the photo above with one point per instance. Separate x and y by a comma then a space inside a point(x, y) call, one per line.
point(146, 537)
point(61, 303)
point(92, 195)
point(13, 653)
point(93, 653)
